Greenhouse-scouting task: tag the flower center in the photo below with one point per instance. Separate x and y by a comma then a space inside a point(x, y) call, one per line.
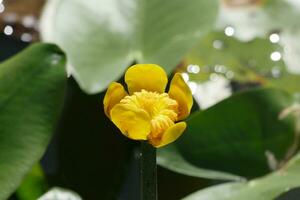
point(161, 109)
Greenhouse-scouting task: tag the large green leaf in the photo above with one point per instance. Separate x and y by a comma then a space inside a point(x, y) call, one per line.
point(240, 134)
point(170, 158)
point(31, 96)
point(265, 188)
point(103, 37)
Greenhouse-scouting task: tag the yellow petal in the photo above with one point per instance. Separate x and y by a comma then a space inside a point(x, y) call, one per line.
point(180, 92)
point(150, 77)
point(172, 134)
point(114, 94)
point(133, 123)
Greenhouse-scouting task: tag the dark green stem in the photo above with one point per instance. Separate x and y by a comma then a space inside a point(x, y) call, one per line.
point(148, 174)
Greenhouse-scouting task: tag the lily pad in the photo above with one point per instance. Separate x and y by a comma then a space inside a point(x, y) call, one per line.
point(103, 37)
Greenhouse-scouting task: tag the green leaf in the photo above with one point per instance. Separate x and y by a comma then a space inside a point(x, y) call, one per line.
point(103, 37)
point(265, 188)
point(31, 96)
point(241, 131)
point(34, 184)
point(170, 158)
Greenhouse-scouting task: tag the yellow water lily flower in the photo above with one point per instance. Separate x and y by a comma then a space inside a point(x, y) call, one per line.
point(147, 112)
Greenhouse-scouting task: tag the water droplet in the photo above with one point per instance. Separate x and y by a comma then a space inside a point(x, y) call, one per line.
point(195, 69)
point(229, 31)
point(214, 77)
point(10, 18)
point(276, 72)
point(2, 8)
point(26, 37)
point(8, 30)
point(218, 44)
point(29, 21)
point(185, 77)
point(275, 56)
point(229, 74)
point(220, 69)
point(274, 38)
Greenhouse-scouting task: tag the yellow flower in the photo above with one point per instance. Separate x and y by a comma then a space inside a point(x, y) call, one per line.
point(147, 112)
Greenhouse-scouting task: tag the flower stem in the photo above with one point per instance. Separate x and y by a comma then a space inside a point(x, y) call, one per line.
point(148, 174)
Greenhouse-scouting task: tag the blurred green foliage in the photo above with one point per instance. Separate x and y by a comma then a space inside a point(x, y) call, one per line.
point(267, 187)
point(32, 91)
point(34, 185)
point(244, 62)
